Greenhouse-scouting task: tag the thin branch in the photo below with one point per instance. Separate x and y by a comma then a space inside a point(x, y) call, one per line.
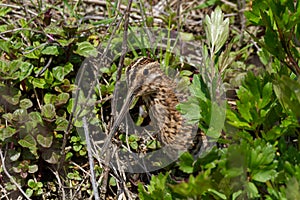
point(10, 177)
point(91, 160)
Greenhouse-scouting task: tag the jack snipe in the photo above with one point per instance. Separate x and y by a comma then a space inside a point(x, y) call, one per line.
point(145, 79)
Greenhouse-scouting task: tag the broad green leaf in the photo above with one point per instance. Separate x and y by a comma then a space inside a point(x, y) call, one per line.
point(86, 49)
point(28, 141)
point(61, 124)
point(26, 103)
point(45, 141)
point(48, 77)
point(186, 162)
point(49, 98)
point(48, 111)
point(60, 72)
point(197, 88)
point(26, 69)
point(14, 155)
point(6, 132)
point(36, 117)
point(264, 175)
point(29, 192)
point(10, 95)
point(20, 115)
point(62, 98)
point(51, 156)
point(39, 83)
point(32, 169)
point(65, 42)
point(50, 50)
point(251, 190)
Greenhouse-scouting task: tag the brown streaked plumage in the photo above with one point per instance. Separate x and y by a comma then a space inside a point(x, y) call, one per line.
point(145, 79)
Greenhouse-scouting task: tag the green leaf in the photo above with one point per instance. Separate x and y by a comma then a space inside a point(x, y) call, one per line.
point(49, 98)
point(217, 194)
point(28, 141)
point(55, 30)
point(45, 141)
point(48, 77)
point(29, 192)
point(14, 155)
point(36, 117)
point(26, 103)
point(197, 88)
point(61, 124)
point(60, 72)
point(32, 169)
point(48, 111)
point(31, 183)
point(252, 190)
point(62, 98)
point(156, 190)
point(4, 11)
point(191, 188)
point(10, 95)
point(5, 45)
point(85, 49)
point(264, 175)
point(7, 132)
point(186, 162)
point(293, 188)
point(112, 181)
point(50, 50)
point(51, 156)
point(26, 69)
point(39, 83)
point(216, 29)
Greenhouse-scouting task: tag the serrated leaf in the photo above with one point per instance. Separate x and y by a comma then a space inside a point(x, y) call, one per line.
point(86, 49)
point(191, 188)
point(45, 141)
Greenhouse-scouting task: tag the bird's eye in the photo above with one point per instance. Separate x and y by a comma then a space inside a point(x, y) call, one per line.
point(146, 71)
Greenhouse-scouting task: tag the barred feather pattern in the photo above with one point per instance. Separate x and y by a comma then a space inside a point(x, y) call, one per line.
point(145, 79)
